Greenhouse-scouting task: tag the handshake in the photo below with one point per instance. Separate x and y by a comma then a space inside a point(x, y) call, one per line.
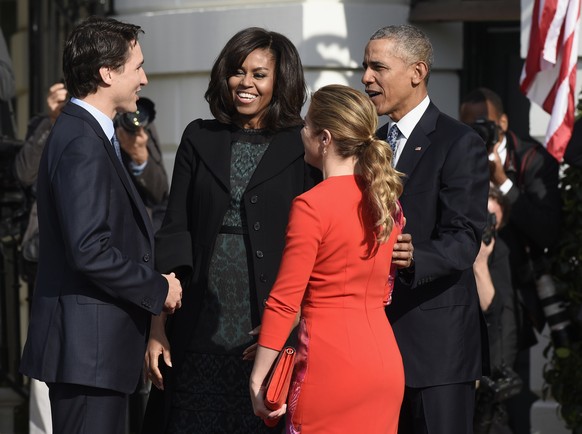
point(174, 297)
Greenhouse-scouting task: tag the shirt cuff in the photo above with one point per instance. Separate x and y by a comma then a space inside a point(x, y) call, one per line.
point(137, 169)
point(506, 186)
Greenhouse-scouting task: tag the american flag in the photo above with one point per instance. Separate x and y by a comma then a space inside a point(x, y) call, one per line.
point(549, 73)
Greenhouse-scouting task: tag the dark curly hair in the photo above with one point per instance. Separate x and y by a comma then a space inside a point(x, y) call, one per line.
point(289, 93)
point(95, 43)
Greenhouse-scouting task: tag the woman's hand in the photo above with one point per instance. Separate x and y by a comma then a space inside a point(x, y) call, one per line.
point(258, 401)
point(158, 344)
point(250, 352)
point(265, 357)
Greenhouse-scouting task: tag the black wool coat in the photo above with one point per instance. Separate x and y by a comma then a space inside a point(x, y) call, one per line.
point(199, 199)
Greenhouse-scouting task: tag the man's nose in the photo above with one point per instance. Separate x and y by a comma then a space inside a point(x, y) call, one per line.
point(367, 76)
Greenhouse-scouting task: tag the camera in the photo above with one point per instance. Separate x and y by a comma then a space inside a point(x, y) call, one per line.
point(555, 309)
point(503, 383)
point(142, 117)
point(487, 130)
point(489, 231)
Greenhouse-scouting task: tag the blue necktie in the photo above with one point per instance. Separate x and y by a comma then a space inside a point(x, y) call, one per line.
point(392, 139)
point(116, 146)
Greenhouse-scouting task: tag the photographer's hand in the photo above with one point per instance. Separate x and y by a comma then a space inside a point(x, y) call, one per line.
point(496, 169)
point(135, 145)
point(55, 100)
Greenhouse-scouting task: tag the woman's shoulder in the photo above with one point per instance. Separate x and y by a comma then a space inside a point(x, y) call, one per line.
point(333, 190)
point(210, 125)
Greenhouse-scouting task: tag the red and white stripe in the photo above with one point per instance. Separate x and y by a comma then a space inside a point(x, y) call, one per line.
point(549, 73)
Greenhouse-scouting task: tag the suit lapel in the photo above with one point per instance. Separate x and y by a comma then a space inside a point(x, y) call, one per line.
point(418, 142)
point(77, 111)
point(285, 147)
point(213, 147)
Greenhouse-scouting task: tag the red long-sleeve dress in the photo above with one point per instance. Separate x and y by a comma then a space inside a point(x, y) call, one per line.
point(349, 376)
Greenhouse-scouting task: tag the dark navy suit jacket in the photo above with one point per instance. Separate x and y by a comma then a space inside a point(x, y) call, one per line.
point(436, 318)
point(96, 288)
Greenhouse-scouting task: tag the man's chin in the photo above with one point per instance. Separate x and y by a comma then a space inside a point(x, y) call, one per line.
point(379, 108)
point(130, 108)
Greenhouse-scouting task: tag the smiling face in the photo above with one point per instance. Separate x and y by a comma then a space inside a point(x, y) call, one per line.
point(127, 81)
point(252, 87)
point(394, 85)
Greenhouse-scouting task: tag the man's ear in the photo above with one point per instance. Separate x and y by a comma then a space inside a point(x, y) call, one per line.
point(419, 72)
point(105, 73)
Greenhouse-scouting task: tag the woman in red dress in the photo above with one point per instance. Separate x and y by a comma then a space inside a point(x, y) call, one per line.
point(336, 272)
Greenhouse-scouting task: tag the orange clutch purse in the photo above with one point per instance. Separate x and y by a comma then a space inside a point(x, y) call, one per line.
point(278, 382)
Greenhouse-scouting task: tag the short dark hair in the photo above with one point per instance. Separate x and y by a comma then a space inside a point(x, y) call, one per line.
point(482, 95)
point(411, 44)
point(496, 194)
point(289, 92)
point(95, 43)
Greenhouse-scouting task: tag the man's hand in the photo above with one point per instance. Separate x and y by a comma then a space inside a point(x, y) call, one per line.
point(403, 251)
point(134, 145)
point(174, 297)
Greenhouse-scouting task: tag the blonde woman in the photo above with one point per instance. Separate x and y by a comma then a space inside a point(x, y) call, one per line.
point(336, 271)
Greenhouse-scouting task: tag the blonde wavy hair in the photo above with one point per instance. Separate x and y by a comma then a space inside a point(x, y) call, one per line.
point(351, 119)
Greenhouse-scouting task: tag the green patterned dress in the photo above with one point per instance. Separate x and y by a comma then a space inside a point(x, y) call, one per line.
point(212, 392)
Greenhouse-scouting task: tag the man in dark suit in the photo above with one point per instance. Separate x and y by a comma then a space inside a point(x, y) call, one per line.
point(435, 311)
point(96, 287)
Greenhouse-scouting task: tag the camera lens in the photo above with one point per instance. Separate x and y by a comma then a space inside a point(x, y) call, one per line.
point(554, 311)
point(487, 130)
point(142, 117)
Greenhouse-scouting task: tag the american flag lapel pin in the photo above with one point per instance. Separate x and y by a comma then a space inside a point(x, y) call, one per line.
point(418, 148)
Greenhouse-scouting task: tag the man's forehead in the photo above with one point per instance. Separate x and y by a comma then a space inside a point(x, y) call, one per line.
point(380, 51)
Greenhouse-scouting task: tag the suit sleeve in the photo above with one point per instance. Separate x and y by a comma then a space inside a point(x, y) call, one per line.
point(82, 191)
point(463, 183)
point(304, 235)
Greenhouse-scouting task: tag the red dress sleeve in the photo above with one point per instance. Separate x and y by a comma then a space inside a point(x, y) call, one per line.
point(304, 235)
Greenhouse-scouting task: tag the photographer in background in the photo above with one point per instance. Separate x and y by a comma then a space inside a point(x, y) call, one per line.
point(142, 157)
point(26, 170)
point(493, 277)
point(527, 176)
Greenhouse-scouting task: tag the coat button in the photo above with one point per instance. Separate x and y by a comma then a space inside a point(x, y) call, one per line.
point(257, 226)
point(254, 199)
point(264, 302)
point(146, 257)
point(259, 253)
point(262, 278)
